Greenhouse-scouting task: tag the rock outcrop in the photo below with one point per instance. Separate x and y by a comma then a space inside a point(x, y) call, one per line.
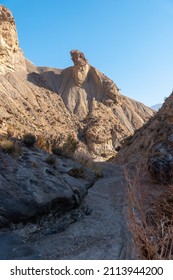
point(81, 67)
point(106, 117)
point(48, 102)
point(11, 56)
point(152, 145)
point(30, 186)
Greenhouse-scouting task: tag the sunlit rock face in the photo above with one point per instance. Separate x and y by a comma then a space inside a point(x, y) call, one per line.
point(11, 56)
point(50, 102)
point(81, 67)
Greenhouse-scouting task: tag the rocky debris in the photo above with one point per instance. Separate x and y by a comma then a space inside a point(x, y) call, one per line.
point(29, 186)
point(11, 56)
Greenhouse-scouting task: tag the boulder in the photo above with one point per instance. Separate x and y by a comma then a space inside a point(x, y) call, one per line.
point(29, 186)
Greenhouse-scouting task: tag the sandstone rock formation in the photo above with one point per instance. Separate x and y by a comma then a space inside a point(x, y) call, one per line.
point(81, 67)
point(78, 100)
point(97, 104)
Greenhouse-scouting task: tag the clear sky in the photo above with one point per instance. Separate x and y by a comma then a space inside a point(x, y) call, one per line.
point(130, 41)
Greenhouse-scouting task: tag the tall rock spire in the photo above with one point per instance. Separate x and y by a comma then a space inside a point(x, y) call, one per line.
point(81, 67)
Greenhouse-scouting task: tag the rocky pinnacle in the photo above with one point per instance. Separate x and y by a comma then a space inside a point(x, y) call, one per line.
point(11, 56)
point(81, 67)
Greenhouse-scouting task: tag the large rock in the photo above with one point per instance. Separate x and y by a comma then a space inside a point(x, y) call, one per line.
point(30, 187)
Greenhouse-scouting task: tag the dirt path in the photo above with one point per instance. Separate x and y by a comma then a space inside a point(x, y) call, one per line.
point(101, 235)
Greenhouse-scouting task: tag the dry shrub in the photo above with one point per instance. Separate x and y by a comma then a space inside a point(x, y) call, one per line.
point(29, 139)
point(151, 225)
point(10, 147)
point(77, 172)
point(70, 145)
point(65, 147)
point(50, 159)
point(85, 159)
point(42, 143)
point(160, 218)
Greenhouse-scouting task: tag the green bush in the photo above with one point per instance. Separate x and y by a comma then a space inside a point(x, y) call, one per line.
point(29, 139)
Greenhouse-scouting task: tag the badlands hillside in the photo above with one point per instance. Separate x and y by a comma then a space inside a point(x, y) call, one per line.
point(53, 205)
point(152, 144)
point(52, 103)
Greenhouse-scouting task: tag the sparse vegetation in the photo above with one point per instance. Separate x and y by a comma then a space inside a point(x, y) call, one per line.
point(97, 171)
point(42, 143)
point(35, 164)
point(70, 145)
point(87, 161)
point(50, 159)
point(67, 149)
point(77, 172)
point(29, 139)
point(57, 151)
point(10, 131)
point(152, 229)
point(8, 146)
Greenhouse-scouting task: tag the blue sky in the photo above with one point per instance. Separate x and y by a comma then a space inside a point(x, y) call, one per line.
point(130, 41)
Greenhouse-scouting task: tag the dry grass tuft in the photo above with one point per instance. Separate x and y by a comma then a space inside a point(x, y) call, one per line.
point(83, 158)
point(150, 224)
point(10, 147)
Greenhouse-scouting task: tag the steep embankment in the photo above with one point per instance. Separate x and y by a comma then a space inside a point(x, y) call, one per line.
point(152, 145)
